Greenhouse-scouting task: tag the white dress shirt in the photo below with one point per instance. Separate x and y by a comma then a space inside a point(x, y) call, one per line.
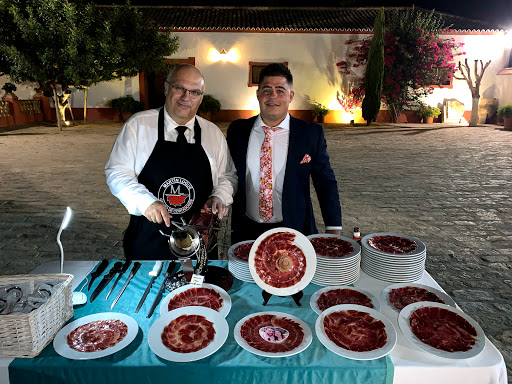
point(279, 144)
point(136, 142)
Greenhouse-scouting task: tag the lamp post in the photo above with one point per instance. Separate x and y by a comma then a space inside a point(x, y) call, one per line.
point(63, 225)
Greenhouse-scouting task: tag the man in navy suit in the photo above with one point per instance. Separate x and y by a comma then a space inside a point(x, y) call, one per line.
point(298, 152)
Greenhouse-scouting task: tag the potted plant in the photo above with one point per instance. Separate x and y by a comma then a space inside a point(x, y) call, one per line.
point(9, 88)
point(126, 106)
point(428, 113)
point(505, 112)
point(319, 112)
point(209, 107)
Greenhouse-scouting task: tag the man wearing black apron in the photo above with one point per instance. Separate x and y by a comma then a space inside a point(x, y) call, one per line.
point(165, 164)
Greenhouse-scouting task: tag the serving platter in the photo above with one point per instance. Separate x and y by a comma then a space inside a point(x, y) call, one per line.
point(384, 296)
point(315, 296)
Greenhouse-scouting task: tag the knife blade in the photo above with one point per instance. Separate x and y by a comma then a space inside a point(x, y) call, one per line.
point(168, 273)
point(154, 274)
point(126, 265)
point(106, 279)
point(132, 273)
point(99, 270)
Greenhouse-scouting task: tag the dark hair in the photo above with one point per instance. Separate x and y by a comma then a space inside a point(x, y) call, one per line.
point(276, 69)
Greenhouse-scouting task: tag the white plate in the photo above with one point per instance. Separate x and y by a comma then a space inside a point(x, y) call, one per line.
point(226, 300)
point(403, 323)
point(155, 334)
point(420, 249)
point(355, 252)
point(384, 296)
point(60, 343)
point(306, 341)
point(369, 355)
point(300, 241)
point(231, 250)
point(316, 295)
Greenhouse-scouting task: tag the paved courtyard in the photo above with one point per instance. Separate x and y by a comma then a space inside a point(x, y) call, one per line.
point(449, 186)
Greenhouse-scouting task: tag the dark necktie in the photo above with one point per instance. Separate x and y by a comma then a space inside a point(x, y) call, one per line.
point(181, 135)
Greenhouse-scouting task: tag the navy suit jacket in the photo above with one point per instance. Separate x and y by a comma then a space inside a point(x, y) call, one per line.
point(305, 139)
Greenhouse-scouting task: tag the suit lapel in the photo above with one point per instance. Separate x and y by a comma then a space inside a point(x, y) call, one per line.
point(245, 134)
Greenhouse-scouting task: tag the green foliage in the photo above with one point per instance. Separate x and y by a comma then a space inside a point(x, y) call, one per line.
point(428, 111)
point(374, 71)
point(319, 110)
point(126, 104)
point(209, 105)
point(505, 111)
point(9, 87)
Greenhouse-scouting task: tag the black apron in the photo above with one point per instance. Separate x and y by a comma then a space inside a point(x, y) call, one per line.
point(180, 176)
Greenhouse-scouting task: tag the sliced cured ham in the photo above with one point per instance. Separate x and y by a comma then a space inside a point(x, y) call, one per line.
point(402, 297)
point(355, 330)
point(250, 333)
point(242, 251)
point(278, 261)
point(392, 244)
point(97, 335)
point(342, 296)
point(203, 297)
point(188, 333)
point(331, 246)
point(442, 329)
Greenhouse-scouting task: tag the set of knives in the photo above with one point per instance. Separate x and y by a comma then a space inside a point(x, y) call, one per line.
point(119, 268)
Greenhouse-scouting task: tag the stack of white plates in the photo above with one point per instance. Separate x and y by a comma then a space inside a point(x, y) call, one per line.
point(393, 267)
point(238, 267)
point(337, 270)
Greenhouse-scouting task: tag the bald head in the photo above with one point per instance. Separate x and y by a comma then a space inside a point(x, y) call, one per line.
point(182, 67)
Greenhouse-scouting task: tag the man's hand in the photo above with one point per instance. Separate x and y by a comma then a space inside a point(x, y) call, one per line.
point(217, 206)
point(157, 212)
point(333, 231)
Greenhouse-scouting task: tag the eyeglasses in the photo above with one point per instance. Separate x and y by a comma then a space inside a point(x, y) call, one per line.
point(194, 93)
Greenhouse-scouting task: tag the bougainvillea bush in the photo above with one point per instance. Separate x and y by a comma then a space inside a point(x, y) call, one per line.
point(415, 59)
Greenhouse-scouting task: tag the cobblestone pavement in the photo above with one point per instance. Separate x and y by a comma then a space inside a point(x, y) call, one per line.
point(449, 186)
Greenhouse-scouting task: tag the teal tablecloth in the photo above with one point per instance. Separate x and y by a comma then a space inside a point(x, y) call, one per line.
point(230, 364)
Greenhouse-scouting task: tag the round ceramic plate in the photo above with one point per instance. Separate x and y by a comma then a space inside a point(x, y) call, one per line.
point(220, 326)
point(231, 250)
point(307, 249)
point(384, 296)
point(61, 346)
point(403, 323)
point(355, 252)
point(316, 295)
point(420, 249)
point(306, 341)
point(368, 355)
point(226, 300)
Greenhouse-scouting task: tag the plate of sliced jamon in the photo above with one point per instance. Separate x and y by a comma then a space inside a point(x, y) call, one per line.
point(330, 296)
point(95, 336)
point(356, 332)
point(441, 330)
point(398, 296)
point(282, 261)
point(273, 334)
point(188, 334)
point(208, 295)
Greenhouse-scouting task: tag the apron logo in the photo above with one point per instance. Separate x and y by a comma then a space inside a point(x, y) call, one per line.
point(178, 195)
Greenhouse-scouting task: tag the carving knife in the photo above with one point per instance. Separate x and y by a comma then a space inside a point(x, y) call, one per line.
point(126, 265)
point(168, 273)
point(132, 273)
point(154, 274)
point(106, 279)
point(99, 270)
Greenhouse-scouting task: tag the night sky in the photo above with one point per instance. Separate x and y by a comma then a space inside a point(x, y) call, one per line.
point(494, 11)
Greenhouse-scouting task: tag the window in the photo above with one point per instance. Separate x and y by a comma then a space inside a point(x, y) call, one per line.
point(255, 70)
point(442, 73)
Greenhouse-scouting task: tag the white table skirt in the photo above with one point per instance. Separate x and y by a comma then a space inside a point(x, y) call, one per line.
point(412, 365)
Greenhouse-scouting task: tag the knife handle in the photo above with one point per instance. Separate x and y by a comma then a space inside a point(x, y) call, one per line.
point(135, 268)
point(126, 265)
point(103, 265)
point(117, 266)
point(157, 268)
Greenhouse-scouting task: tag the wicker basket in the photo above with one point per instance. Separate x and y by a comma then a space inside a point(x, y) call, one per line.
point(26, 335)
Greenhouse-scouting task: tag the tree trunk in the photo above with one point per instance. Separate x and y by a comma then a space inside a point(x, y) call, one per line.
point(473, 120)
point(57, 108)
point(396, 111)
point(85, 105)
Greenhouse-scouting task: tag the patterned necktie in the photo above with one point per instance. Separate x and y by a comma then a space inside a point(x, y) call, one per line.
point(266, 208)
point(181, 134)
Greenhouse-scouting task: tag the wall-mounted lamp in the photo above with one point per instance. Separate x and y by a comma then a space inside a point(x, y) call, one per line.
point(223, 55)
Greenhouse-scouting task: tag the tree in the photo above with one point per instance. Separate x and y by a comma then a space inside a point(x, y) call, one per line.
point(474, 88)
point(416, 58)
point(374, 71)
point(59, 44)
